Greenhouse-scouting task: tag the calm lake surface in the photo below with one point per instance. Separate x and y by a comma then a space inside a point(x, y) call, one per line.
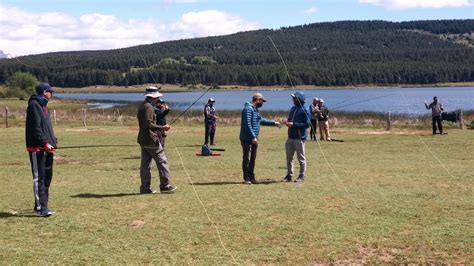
point(395, 100)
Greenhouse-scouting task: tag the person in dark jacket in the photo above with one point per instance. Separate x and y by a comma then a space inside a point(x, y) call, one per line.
point(151, 149)
point(161, 110)
point(210, 121)
point(249, 131)
point(298, 122)
point(323, 121)
point(313, 108)
point(41, 144)
point(436, 111)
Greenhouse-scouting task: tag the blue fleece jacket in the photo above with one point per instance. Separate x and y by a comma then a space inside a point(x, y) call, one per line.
point(250, 123)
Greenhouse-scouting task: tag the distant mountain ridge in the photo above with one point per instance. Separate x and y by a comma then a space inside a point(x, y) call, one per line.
point(322, 54)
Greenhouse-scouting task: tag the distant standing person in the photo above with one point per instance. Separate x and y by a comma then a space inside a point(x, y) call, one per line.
point(41, 144)
point(151, 148)
point(436, 110)
point(161, 110)
point(298, 122)
point(313, 108)
point(323, 117)
point(249, 130)
point(210, 121)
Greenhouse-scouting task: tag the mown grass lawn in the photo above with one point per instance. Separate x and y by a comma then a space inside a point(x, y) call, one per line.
point(398, 197)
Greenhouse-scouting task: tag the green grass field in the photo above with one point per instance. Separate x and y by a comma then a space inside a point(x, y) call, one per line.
point(399, 197)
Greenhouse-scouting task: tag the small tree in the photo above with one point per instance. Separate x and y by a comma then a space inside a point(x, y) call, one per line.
point(21, 85)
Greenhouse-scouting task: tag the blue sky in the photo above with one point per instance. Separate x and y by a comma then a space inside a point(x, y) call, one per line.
point(33, 26)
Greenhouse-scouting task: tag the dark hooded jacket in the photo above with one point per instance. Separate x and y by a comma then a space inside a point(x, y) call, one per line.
point(300, 117)
point(39, 130)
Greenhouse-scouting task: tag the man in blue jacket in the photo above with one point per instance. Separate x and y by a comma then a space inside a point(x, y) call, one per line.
point(298, 122)
point(249, 130)
point(40, 144)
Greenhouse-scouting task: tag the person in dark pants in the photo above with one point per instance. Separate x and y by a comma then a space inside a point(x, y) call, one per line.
point(41, 144)
point(151, 149)
point(313, 108)
point(210, 121)
point(436, 111)
point(161, 110)
point(249, 130)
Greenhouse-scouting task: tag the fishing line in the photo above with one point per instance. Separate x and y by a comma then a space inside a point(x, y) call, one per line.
point(205, 209)
point(362, 101)
point(146, 66)
point(425, 145)
point(309, 119)
point(43, 67)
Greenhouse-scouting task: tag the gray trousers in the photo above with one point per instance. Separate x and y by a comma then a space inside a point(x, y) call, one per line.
point(157, 154)
point(292, 146)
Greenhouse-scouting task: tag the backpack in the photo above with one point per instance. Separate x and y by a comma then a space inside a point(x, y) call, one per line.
point(205, 150)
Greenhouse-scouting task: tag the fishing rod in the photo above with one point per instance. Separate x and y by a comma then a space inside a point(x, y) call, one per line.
point(182, 113)
point(94, 146)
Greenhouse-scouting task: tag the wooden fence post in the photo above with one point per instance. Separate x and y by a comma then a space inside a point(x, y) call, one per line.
point(389, 125)
point(84, 113)
point(461, 119)
point(7, 113)
point(54, 116)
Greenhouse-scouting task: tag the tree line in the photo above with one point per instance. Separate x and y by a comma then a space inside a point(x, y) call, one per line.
point(322, 54)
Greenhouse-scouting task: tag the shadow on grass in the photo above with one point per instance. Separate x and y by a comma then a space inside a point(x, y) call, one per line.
point(132, 158)
point(98, 196)
point(221, 183)
point(19, 214)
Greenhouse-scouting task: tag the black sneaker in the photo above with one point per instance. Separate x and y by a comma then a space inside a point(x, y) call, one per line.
point(168, 189)
point(45, 212)
point(253, 181)
point(148, 191)
point(286, 179)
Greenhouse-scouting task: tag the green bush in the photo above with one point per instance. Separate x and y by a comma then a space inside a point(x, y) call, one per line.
point(21, 85)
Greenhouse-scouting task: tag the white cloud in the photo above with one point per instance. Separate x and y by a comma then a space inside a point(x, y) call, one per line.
point(210, 23)
point(311, 11)
point(409, 4)
point(23, 32)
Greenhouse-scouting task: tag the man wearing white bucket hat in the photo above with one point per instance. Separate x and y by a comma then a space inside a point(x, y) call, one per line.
point(151, 148)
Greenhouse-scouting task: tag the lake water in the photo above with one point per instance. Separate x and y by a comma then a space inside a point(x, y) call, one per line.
point(395, 100)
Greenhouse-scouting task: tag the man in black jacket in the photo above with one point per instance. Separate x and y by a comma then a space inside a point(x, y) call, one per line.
point(40, 144)
point(210, 121)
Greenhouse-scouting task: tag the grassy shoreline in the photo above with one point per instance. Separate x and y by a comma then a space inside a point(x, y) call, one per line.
point(180, 88)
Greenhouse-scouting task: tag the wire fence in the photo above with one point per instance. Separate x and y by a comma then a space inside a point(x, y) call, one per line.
point(113, 116)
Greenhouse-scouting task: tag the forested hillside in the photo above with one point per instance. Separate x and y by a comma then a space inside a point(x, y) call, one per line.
point(325, 54)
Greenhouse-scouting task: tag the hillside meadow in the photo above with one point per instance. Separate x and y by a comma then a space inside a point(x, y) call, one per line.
point(402, 196)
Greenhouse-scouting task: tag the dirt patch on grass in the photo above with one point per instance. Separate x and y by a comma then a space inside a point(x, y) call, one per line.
point(370, 255)
point(333, 202)
point(137, 223)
